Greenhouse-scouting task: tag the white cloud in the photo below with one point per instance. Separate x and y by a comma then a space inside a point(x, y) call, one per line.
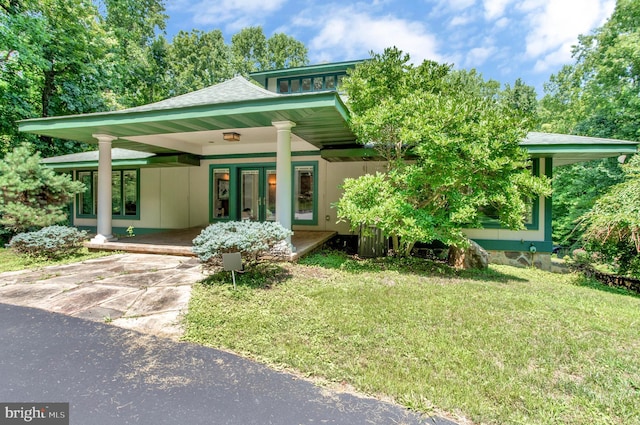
point(457, 4)
point(555, 26)
point(351, 34)
point(478, 55)
point(494, 9)
point(235, 13)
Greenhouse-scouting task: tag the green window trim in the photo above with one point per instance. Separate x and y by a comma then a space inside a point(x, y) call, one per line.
point(534, 224)
point(315, 83)
point(313, 166)
point(91, 192)
point(233, 206)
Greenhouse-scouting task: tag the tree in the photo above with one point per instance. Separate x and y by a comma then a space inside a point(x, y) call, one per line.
point(252, 51)
point(599, 96)
point(463, 135)
point(612, 226)
point(137, 63)
point(32, 194)
point(198, 59)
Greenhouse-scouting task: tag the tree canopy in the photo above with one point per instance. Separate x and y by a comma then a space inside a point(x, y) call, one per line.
point(462, 134)
point(598, 95)
point(78, 56)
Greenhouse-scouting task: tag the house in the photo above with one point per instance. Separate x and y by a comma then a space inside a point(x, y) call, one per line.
point(274, 151)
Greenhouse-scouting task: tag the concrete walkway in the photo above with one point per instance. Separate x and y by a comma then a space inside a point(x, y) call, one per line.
point(144, 292)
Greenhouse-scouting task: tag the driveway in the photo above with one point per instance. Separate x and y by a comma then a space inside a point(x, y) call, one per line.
point(144, 292)
point(130, 373)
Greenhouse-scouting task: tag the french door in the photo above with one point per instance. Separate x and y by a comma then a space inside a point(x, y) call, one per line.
point(257, 193)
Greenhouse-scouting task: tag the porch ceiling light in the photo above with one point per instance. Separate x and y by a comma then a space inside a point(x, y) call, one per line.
point(231, 136)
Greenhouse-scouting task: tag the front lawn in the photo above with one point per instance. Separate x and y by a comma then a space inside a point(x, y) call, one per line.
point(10, 261)
point(505, 346)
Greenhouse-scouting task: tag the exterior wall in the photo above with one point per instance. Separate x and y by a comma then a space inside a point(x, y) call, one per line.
point(173, 198)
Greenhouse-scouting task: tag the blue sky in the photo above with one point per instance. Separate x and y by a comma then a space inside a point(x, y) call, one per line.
point(503, 39)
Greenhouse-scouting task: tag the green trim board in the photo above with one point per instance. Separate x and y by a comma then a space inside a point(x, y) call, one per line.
point(263, 77)
point(259, 155)
point(548, 204)
point(521, 245)
point(159, 161)
point(320, 117)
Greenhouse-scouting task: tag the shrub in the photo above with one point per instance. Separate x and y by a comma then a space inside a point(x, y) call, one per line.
point(252, 239)
point(50, 242)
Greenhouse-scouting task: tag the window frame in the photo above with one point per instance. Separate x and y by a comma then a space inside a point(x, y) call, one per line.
point(92, 191)
point(311, 78)
point(494, 223)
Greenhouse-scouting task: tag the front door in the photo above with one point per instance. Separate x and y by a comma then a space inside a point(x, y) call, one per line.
point(257, 189)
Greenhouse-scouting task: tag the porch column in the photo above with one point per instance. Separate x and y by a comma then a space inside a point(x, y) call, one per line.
point(283, 174)
point(104, 233)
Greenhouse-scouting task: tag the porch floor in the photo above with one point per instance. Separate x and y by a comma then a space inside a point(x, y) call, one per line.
point(179, 242)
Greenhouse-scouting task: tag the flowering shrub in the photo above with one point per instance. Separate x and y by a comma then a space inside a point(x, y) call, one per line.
point(251, 238)
point(50, 242)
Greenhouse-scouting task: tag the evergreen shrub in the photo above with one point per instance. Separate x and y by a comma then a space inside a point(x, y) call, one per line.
point(251, 238)
point(50, 242)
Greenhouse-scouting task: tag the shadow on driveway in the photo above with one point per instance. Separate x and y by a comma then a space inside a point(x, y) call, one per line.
point(111, 375)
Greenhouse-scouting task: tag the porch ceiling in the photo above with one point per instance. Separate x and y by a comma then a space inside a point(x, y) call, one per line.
point(321, 120)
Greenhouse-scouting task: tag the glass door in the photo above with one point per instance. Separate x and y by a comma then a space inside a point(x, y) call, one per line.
point(258, 194)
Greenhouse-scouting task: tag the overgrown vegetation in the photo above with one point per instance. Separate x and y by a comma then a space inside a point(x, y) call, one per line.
point(612, 227)
point(503, 346)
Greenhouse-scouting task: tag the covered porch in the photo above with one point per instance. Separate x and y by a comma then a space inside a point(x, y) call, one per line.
point(179, 242)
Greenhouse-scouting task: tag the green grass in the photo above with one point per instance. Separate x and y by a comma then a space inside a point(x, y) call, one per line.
point(503, 346)
point(10, 261)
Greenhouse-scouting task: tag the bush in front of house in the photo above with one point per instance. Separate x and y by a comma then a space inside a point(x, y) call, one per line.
point(49, 242)
point(251, 238)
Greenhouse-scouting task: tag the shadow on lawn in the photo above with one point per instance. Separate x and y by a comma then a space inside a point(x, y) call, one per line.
point(259, 276)
point(339, 260)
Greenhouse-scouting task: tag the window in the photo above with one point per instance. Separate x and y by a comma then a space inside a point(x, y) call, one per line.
point(305, 188)
point(307, 84)
point(221, 193)
point(125, 194)
point(490, 216)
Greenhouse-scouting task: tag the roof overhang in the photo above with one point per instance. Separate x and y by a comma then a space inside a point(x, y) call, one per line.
point(567, 149)
point(321, 119)
point(121, 158)
point(563, 148)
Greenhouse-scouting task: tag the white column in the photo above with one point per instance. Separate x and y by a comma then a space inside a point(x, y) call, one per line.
point(104, 233)
point(284, 181)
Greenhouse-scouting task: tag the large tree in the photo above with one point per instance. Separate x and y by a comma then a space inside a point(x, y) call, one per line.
point(462, 134)
point(252, 51)
point(32, 195)
point(599, 96)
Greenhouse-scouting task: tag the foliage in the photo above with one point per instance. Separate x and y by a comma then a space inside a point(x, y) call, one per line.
point(468, 343)
point(49, 242)
point(198, 59)
point(252, 51)
point(32, 195)
point(597, 96)
point(462, 134)
point(612, 227)
point(576, 187)
point(251, 238)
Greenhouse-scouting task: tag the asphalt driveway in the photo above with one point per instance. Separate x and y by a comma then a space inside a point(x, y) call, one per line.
point(110, 375)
